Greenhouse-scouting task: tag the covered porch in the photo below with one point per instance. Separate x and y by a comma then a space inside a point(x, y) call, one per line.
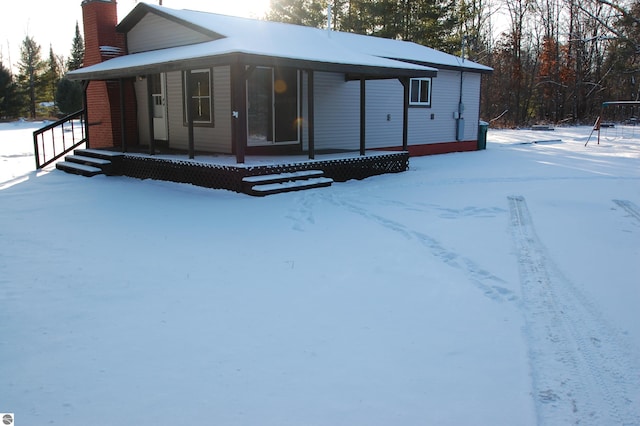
point(234, 130)
point(258, 175)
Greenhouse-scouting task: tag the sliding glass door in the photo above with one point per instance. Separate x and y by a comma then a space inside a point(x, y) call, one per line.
point(273, 106)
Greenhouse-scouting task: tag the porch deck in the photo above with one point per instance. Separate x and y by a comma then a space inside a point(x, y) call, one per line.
point(222, 172)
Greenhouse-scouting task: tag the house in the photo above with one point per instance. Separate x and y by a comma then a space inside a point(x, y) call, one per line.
point(207, 83)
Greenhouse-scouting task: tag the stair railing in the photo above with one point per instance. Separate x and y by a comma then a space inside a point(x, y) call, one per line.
point(57, 139)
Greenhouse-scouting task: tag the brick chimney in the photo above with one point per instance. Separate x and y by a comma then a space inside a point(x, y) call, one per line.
point(102, 42)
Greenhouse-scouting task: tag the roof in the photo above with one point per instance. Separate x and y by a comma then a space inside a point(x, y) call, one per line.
point(258, 42)
point(408, 51)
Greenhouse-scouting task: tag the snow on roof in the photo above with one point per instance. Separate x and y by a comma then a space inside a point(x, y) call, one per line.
point(232, 26)
point(201, 54)
point(407, 51)
point(257, 39)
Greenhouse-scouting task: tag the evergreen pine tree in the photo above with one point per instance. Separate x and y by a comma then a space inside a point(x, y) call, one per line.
point(300, 12)
point(31, 67)
point(69, 96)
point(77, 51)
point(428, 22)
point(8, 94)
point(51, 77)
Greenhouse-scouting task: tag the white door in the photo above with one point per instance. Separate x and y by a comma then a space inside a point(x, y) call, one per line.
point(158, 98)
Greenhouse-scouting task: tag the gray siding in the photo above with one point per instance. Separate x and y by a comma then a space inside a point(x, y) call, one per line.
point(471, 90)
point(384, 100)
point(213, 139)
point(444, 100)
point(142, 100)
point(154, 32)
point(337, 107)
point(337, 112)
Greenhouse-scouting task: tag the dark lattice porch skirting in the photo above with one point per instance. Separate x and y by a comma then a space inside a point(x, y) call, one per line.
point(230, 177)
point(200, 174)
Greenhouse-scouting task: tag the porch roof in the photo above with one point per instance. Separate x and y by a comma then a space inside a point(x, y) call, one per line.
point(330, 57)
point(257, 42)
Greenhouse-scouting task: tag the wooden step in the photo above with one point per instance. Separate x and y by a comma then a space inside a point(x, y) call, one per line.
point(78, 169)
point(282, 177)
point(99, 153)
point(88, 161)
point(288, 186)
point(113, 159)
point(261, 185)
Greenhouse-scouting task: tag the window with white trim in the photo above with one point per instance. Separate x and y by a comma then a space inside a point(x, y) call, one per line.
point(198, 93)
point(420, 92)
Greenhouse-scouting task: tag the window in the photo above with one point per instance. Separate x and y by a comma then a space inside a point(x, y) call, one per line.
point(420, 92)
point(198, 96)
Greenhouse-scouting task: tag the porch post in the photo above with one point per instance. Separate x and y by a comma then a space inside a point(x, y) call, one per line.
point(405, 113)
point(189, 111)
point(239, 109)
point(150, 111)
point(310, 113)
point(123, 129)
point(363, 113)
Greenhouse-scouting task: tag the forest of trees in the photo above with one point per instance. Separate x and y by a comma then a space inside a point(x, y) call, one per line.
point(39, 89)
point(554, 61)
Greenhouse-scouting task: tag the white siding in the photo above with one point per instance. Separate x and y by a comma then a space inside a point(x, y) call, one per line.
point(154, 32)
point(212, 139)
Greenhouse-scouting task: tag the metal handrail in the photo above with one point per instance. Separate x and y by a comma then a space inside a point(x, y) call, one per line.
point(47, 149)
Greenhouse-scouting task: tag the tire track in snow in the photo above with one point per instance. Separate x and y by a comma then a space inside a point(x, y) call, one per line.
point(582, 371)
point(630, 208)
point(492, 286)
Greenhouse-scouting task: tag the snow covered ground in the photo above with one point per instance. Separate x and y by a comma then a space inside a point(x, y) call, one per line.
point(498, 287)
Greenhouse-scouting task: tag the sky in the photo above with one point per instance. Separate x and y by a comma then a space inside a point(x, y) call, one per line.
point(52, 23)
